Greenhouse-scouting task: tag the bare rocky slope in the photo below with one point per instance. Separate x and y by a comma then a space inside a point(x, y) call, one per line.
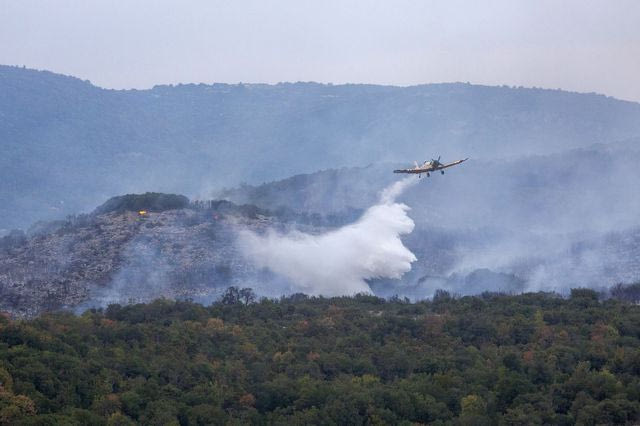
point(126, 256)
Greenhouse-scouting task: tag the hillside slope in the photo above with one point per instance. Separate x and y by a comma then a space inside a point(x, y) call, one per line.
point(67, 144)
point(119, 255)
point(125, 256)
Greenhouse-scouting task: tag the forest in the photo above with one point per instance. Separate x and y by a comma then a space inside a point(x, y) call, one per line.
point(535, 358)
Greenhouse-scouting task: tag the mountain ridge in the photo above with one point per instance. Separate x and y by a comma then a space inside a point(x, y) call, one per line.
point(161, 86)
point(69, 144)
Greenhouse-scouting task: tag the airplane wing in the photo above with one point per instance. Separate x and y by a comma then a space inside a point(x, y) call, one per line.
point(402, 171)
point(455, 163)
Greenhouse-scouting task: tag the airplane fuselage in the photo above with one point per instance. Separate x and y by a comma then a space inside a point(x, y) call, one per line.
point(416, 171)
point(428, 167)
point(425, 168)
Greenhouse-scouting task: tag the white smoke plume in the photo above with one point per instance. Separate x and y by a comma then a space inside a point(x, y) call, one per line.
point(338, 262)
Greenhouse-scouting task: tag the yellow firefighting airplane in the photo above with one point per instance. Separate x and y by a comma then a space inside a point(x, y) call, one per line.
point(428, 167)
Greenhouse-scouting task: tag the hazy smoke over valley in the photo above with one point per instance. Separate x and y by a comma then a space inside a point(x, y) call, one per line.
point(549, 223)
point(339, 261)
point(548, 201)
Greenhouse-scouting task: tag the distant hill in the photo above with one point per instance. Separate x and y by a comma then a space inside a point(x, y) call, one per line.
point(594, 187)
point(67, 144)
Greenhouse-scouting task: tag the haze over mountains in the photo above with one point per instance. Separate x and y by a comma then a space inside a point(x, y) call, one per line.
point(553, 222)
point(68, 145)
point(548, 201)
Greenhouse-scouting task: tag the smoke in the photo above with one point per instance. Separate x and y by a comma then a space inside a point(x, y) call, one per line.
point(339, 261)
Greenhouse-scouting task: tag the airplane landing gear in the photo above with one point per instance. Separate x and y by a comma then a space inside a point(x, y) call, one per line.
point(428, 175)
point(441, 171)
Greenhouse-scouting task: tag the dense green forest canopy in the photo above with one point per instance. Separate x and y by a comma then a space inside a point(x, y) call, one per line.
point(491, 359)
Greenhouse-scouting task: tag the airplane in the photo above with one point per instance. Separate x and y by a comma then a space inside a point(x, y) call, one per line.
point(428, 167)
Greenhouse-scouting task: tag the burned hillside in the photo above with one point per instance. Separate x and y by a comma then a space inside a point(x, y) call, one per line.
point(123, 256)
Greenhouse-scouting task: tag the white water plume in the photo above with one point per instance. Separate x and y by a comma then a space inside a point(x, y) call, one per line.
point(339, 261)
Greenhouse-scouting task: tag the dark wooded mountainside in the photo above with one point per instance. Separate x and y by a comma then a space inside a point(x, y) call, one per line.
point(68, 145)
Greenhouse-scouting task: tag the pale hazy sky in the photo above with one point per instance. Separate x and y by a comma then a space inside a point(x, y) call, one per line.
point(585, 45)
